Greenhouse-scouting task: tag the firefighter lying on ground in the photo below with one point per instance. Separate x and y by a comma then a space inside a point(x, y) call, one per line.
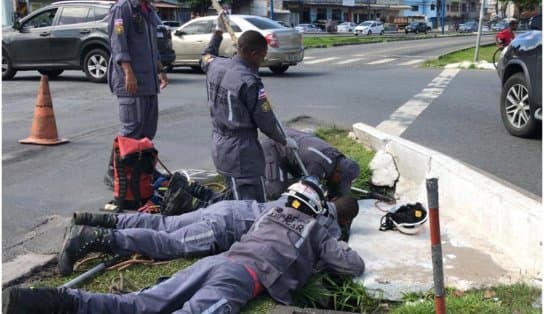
point(279, 254)
point(320, 159)
point(202, 232)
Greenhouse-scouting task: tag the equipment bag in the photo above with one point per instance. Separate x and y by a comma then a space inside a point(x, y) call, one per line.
point(133, 163)
point(177, 199)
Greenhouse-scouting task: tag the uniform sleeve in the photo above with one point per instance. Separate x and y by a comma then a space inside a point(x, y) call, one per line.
point(261, 112)
point(211, 52)
point(118, 25)
point(157, 22)
point(338, 257)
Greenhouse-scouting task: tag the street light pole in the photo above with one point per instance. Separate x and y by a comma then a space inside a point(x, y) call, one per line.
point(477, 51)
point(271, 9)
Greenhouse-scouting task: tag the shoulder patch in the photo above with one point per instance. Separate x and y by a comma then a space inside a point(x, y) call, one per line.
point(118, 25)
point(262, 94)
point(207, 58)
point(266, 106)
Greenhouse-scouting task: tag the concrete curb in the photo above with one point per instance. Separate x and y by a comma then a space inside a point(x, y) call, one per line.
point(489, 211)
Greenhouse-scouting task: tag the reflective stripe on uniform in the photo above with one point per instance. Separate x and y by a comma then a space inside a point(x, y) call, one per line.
point(320, 154)
point(263, 187)
point(215, 306)
point(281, 174)
point(234, 189)
point(304, 234)
point(230, 105)
point(200, 236)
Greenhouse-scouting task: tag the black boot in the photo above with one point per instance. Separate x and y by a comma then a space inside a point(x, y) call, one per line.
point(96, 220)
point(17, 300)
point(80, 241)
point(108, 177)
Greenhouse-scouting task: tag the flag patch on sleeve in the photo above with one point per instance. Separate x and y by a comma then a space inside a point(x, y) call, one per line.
point(262, 94)
point(118, 25)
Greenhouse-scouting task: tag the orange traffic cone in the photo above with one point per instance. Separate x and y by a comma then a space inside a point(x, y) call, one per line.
point(44, 127)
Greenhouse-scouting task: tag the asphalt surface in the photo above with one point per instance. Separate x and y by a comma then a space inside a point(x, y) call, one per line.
point(463, 122)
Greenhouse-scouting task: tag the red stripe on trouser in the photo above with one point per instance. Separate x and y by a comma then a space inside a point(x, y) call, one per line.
point(257, 287)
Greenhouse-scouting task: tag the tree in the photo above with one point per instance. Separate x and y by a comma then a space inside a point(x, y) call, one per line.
point(522, 5)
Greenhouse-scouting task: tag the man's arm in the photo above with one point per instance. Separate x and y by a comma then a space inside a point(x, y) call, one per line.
point(119, 21)
point(338, 257)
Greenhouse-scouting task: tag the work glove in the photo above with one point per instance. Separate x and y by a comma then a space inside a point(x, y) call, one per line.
point(291, 143)
point(220, 25)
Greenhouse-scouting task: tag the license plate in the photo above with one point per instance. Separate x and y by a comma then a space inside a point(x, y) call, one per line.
point(293, 57)
point(160, 35)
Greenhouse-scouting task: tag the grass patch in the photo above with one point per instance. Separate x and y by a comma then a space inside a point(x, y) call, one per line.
point(329, 41)
point(485, 53)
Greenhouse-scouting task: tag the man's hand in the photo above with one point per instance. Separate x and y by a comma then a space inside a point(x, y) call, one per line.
point(164, 80)
point(220, 25)
point(131, 84)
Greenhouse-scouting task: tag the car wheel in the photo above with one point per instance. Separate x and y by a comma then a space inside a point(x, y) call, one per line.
point(51, 74)
point(197, 69)
point(279, 69)
point(416, 31)
point(7, 69)
point(382, 32)
point(95, 65)
point(369, 33)
point(516, 109)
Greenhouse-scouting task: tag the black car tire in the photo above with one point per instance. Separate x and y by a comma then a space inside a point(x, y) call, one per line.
point(416, 31)
point(279, 69)
point(95, 65)
point(382, 32)
point(7, 69)
point(406, 31)
point(519, 121)
point(197, 69)
point(51, 74)
point(369, 33)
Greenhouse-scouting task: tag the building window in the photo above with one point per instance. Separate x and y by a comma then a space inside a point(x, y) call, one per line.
point(336, 15)
point(415, 8)
point(432, 7)
point(321, 13)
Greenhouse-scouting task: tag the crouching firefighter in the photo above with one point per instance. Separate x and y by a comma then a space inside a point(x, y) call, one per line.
point(279, 254)
point(206, 231)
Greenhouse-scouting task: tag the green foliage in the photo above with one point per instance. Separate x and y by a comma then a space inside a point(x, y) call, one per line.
point(485, 53)
point(339, 139)
point(524, 5)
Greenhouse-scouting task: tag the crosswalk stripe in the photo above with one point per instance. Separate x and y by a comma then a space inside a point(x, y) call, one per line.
point(382, 61)
point(412, 62)
point(320, 60)
point(349, 61)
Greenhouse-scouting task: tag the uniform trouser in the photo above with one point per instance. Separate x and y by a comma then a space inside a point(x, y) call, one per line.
point(214, 284)
point(139, 116)
point(247, 188)
point(171, 237)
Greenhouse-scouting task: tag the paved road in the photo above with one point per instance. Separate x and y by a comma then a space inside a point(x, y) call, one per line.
point(462, 121)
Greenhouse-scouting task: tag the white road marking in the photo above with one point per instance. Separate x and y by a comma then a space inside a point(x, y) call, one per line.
point(385, 60)
point(358, 55)
point(401, 119)
point(321, 60)
point(412, 62)
point(309, 57)
point(349, 61)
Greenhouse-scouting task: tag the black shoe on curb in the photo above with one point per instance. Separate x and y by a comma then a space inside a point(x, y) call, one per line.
point(16, 300)
point(95, 220)
point(80, 241)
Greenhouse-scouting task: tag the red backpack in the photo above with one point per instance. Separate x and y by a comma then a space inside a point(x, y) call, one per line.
point(133, 163)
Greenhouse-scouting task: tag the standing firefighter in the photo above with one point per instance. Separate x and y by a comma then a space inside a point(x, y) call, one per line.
point(239, 108)
point(320, 159)
point(135, 73)
point(282, 250)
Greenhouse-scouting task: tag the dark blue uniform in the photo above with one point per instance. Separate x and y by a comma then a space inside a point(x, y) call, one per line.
point(281, 251)
point(132, 31)
point(319, 158)
point(239, 108)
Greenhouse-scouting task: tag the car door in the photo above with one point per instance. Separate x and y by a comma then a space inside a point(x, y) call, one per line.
point(190, 40)
point(31, 44)
point(72, 26)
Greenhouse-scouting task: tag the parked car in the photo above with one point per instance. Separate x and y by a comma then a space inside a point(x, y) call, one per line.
point(66, 35)
point(369, 28)
point(284, 44)
point(282, 23)
point(346, 27)
point(468, 27)
point(308, 28)
point(172, 24)
point(499, 26)
point(520, 71)
point(416, 27)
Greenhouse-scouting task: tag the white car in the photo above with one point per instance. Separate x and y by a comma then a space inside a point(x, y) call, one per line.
point(285, 46)
point(369, 28)
point(346, 27)
point(308, 28)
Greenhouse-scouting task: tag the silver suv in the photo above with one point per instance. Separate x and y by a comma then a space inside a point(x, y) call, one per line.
point(66, 35)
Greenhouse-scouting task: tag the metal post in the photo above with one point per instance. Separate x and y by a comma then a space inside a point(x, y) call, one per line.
point(271, 9)
point(436, 247)
point(443, 15)
point(478, 37)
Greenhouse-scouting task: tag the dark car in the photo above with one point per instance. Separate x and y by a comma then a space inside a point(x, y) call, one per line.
point(520, 71)
point(416, 27)
point(66, 35)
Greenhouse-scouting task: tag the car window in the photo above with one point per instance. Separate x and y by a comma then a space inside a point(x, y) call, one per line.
point(198, 27)
point(365, 23)
point(43, 19)
point(263, 23)
point(99, 13)
point(74, 15)
point(234, 26)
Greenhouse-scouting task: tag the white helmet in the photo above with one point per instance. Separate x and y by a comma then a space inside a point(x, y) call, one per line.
point(407, 219)
point(309, 192)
